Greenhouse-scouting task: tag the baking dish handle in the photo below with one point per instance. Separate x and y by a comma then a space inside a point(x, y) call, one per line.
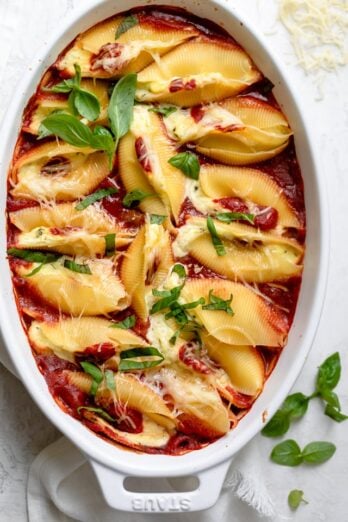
point(112, 485)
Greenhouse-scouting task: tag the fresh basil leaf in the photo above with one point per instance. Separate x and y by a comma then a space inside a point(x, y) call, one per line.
point(69, 129)
point(77, 78)
point(126, 24)
point(278, 425)
point(99, 411)
point(87, 104)
point(36, 270)
point(228, 217)
point(110, 244)
point(179, 269)
point(95, 196)
point(296, 405)
point(93, 371)
point(63, 87)
point(128, 322)
point(133, 198)
point(216, 303)
point(76, 267)
point(157, 219)
point(218, 244)
point(94, 388)
point(34, 256)
point(164, 111)
point(287, 453)
point(329, 373)
point(330, 397)
point(120, 110)
point(295, 498)
point(71, 103)
point(110, 380)
point(335, 414)
point(168, 297)
point(187, 162)
point(318, 452)
point(132, 359)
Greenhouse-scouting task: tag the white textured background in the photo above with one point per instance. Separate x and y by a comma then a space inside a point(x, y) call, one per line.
point(24, 25)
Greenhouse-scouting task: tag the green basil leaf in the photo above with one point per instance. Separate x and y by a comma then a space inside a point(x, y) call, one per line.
point(187, 162)
point(318, 452)
point(216, 303)
point(36, 270)
point(125, 25)
point(169, 297)
point(99, 411)
point(110, 244)
point(218, 244)
point(278, 425)
point(228, 217)
point(329, 372)
point(157, 219)
point(128, 322)
point(69, 129)
point(335, 414)
point(287, 453)
point(330, 397)
point(120, 110)
point(87, 104)
point(95, 196)
point(77, 78)
point(93, 371)
point(71, 103)
point(133, 359)
point(34, 256)
point(63, 87)
point(110, 380)
point(94, 388)
point(76, 267)
point(295, 405)
point(179, 269)
point(133, 198)
point(164, 111)
point(295, 498)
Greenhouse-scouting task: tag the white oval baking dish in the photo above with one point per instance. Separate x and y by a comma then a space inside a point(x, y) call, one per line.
point(113, 464)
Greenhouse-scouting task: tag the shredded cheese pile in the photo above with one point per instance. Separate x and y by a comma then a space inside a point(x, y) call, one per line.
point(319, 32)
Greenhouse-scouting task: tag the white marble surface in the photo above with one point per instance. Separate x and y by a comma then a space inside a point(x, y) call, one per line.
point(24, 25)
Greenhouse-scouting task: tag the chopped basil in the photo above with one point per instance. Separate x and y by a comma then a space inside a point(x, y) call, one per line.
point(93, 371)
point(295, 498)
point(34, 256)
point(157, 219)
point(128, 322)
point(95, 196)
point(216, 303)
point(228, 217)
point(179, 269)
point(134, 359)
point(36, 270)
point(126, 24)
point(75, 267)
point(110, 244)
point(99, 411)
point(164, 111)
point(120, 110)
point(168, 297)
point(133, 198)
point(187, 162)
point(218, 244)
point(110, 380)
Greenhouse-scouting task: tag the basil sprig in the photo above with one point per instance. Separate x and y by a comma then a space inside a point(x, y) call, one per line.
point(218, 244)
point(140, 358)
point(295, 498)
point(296, 405)
point(128, 322)
point(110, 244)
point(217, 303)
point(34, 257)
point(134, 197)
point(228, 217)
point(120, 109)
point(164, 110)
point(80, 100)
point(188, 163)
point(126, 24)
point(99, 411)
point(76, 267)
point(288, 453)
point(95, 196)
